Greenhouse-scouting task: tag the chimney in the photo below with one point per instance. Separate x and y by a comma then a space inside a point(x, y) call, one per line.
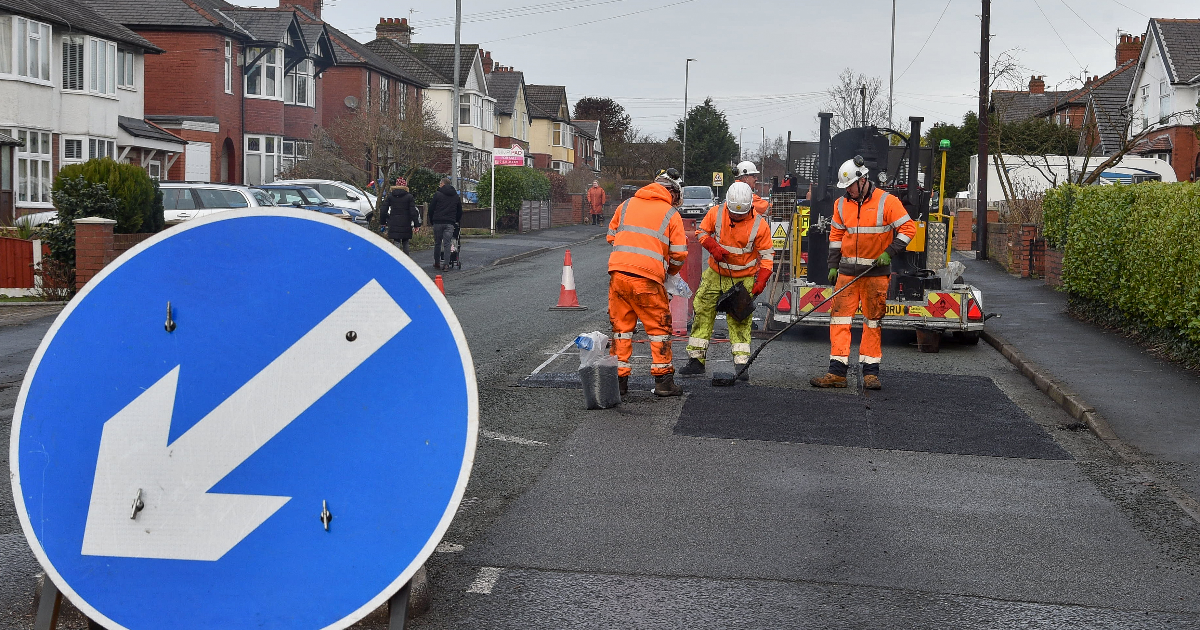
point(1037, 85)
point(1130, 47)
point(487, 62)
point(312, 6)
point(394, 29)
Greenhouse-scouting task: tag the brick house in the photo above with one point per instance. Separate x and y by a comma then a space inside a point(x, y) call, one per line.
point(551, 136)
point(587, 145)
point(240, 85)
point(1163, 94)
point(1106, 117)
point(70, 89)
point(507, 86)
point(433, 64)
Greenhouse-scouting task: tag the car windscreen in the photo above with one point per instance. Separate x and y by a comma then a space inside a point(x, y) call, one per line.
point(178, 199)
point(697, 192)
point(262, 198)
point(329, 191)
point(221, 198)
point(286, 196)
point(312, 197)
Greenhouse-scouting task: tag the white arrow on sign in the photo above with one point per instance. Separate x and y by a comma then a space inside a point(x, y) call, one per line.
point(180, 519)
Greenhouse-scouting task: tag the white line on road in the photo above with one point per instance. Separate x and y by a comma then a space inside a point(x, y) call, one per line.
point(485, 581)
point(492, 435)
point(551, 359)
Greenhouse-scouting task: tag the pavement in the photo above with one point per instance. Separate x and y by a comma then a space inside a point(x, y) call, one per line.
point(1149, 403)
point(481, 252)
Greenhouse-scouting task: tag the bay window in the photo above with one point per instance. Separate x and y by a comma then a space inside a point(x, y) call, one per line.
point(101, 148)
point(294, 151)
point(6, 45)
point(298, 85)
point(33, 167)
point(262, 159)
point(1164, 100)
point(263, 79)
point(102, 67)
point(72, 78)
point(464, 109)
point(562, 135)
point(32, 44)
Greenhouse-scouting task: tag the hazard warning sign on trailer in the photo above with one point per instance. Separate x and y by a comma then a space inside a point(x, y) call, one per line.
point(779, 234)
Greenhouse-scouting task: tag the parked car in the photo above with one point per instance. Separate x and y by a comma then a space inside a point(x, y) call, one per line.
point(697, 200)
point(340, 194)
point(307, 197)
point(188, 200)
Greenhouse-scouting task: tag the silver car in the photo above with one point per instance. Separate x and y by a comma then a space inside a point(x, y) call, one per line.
point(697, 200)
point(187, 200)
point(340, 194)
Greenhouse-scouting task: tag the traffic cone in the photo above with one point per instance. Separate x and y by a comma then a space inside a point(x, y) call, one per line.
point(567, 300)
point(437, 280)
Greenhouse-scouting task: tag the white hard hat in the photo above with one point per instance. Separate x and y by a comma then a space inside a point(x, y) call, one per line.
point(745, 168)
point(851, 171)
point(740, 198)
point(670, 178)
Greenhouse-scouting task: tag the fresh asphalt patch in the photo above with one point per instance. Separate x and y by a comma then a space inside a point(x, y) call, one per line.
point(912, 413)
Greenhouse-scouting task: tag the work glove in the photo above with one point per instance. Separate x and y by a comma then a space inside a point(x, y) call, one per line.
point(714, 248)
point(760, 281)
point(884, 260)
point(833, 274)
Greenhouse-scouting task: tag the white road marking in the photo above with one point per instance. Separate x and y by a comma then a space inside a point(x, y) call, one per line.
point(446, 547)
point(551, 359)
point(485, 581)
point(492, 435)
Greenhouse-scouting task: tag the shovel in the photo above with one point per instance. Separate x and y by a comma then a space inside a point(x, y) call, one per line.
point(729, 379)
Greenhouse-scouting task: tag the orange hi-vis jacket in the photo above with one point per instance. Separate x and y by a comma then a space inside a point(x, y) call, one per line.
point(647, 235)
point(760, 205)
point(596, 199)
point(748, 242)
point(861, 233)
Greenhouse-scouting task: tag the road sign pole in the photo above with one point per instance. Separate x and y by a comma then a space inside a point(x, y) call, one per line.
point(398, 607)
point(493, 196)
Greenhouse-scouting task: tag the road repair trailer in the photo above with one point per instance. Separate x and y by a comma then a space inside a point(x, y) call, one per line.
point(924, 292)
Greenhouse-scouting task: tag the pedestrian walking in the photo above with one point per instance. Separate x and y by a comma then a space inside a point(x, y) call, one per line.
point(400, 214)
point(445, 213)
point(869, 227)
point(739, 241)
point(649, 244)
point(596, 199)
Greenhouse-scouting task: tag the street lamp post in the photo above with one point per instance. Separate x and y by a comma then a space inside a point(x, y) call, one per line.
point(762, 150)
point(687, 66)
point(456, 107)
point(741, 152)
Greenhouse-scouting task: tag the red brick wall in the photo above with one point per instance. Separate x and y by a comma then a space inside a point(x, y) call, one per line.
point(964, 237)
point(1018, 249)
point(1183, 154)
point(299, 121)
point(264, 116)
point(540, 160)
point(1053, 267)
point(93, 249)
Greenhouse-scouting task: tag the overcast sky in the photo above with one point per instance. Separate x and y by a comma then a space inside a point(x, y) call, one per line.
point(768, 64)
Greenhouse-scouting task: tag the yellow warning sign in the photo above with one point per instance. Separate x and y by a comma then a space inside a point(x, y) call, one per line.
point(779, 234)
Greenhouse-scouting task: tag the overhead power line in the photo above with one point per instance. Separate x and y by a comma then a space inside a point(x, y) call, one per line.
point(605, 19)
point(1051, 24)
point(1085, 22)
point(935, 25)
point(505, 14)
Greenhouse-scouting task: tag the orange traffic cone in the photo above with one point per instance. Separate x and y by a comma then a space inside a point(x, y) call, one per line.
point(567, 300)
point(437, 280)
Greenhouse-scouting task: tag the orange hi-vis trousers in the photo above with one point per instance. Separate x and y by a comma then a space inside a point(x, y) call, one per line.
point(869, 293)
point(631, 298)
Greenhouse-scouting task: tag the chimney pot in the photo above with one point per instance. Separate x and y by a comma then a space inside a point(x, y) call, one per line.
point(395, 29)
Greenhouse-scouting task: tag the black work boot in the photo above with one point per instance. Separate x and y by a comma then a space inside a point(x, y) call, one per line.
point(623, 384)
point(664, 386)
point(694, 366)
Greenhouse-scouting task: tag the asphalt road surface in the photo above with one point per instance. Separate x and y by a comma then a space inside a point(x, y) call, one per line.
point(958, 497)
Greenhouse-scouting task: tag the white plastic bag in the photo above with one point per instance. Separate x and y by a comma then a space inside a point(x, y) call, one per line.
point(676, 286)
point(594, 350)
point(951, 273)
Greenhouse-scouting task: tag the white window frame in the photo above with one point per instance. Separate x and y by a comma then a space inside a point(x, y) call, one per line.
point(1164, 100)
point(126, 69)
point(154, 169)
point(563, 132)
point(384, 94)
point(101, 148)
point(524, 135)
point(7, 33)
point(270, 64)
point(34, 184)
point(269, 151)
point(228, 66)
point(300, 75)
point(66, 156)
point(74, 46)
point(36, 47)
point(101, 64)
point(401, 99)
point(464, 100)
point(294, 151)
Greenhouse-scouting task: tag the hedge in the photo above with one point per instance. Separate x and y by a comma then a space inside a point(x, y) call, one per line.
point(514, 184)
point(140, 201)
point(1135, 249)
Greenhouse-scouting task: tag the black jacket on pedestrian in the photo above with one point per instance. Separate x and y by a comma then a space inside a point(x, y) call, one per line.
point(400, 213)
point(446, 206)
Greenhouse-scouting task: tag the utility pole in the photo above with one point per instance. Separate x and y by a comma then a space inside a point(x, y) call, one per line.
point(687, 66)
point(741, 153)
point(457, 106)
point(892, 66)
point(981, 204)
point(863, 92)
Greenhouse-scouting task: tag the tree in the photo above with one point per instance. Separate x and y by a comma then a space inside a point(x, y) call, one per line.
point(845, 101)
point(140, 202)
point(963, 144)
point(615, 124)
point(639, 159)
point(711, 147)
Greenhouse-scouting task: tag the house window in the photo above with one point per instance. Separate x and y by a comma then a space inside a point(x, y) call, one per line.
point(298, 85)
point(6, 47)
point(72, 78)
point(1145, 96)
point(367, 100)
point(33, 167)
point(101, 148)
point(524, 133)
point(228, 66)
point(476, 110)
point(561, 167)
point(401, 100)
point(1164, 100)
point(561, 135)
point(264, 77)
point(33, 49)
point(154, 169)
point(294, 151)
point(124, 68)
point(489, 116)
point(72, 150)
point(464, 109)
point(262, 159)
point(383, 94)
point(102, 67)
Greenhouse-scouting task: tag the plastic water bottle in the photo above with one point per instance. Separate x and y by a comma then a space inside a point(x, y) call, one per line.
point(584, 342)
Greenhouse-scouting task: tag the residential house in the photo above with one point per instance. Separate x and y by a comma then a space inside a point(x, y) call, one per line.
point(1163, 95)
point(240, 85)
point(1106, 118)
point(551, 136)
point(433, 64)
point(512, 109)
point(587, 145)
point(1064, 107)
point(72, 87)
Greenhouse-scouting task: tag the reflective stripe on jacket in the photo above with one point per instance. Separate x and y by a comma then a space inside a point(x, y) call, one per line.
point(748, 242)
point(861, 233)
point(647, 236)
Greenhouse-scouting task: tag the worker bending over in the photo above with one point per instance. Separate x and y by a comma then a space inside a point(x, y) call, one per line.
point(649, 244)
point(739, 241)
point(748, 174)
point(869, 227)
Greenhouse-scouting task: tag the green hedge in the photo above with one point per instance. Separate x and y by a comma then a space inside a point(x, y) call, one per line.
point(1135, 249)
point(138, 196)
point(513, 185)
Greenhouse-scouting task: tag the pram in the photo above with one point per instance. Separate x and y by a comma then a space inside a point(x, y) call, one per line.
point(453, 259)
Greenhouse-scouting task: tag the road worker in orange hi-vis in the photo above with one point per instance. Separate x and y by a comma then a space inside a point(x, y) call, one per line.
point(649, 245)
point(746, 173)
point(869, 227)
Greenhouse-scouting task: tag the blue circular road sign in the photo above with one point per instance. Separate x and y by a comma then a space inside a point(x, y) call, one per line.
point(256, 419)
